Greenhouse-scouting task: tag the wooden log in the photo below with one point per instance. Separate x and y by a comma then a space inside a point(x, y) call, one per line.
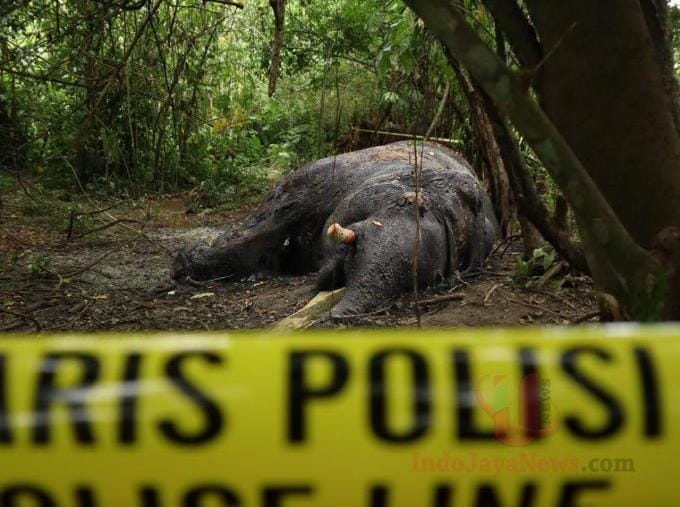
point(319, 306)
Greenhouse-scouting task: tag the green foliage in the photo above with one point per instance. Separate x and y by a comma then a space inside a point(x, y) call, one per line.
point(127, 101)
point(522, 269)
point(544, 258)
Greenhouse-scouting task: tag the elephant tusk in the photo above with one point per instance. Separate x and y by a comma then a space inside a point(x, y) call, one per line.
point(340, 234)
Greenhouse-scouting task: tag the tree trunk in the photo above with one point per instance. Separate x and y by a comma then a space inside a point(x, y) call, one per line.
point(619, 264)
point(279, 8)
point(605, 91)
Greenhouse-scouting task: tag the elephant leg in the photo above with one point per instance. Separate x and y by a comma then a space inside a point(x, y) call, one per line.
point(332, 273)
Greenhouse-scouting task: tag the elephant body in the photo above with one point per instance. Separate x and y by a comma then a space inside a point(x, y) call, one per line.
point(371, 194)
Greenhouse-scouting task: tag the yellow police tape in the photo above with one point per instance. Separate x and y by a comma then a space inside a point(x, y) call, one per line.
point(561, 417)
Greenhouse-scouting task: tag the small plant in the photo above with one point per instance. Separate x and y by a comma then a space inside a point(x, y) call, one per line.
point(38, 266)
point(543, 258)
point(522, 268)
point(539, 263)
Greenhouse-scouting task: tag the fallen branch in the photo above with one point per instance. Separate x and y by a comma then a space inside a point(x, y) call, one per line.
point(585, 317)
point(407, 136)
point(202, 283)
point(312, 312)
point(553, 272)
point(441, 299)
point(491, 291)
point(73, 215)
point(101, 228)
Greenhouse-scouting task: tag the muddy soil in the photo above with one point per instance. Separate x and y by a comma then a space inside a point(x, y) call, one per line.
point(118, 278)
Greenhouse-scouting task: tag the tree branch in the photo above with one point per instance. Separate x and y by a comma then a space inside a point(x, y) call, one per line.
point(42, 78)
point(225, 2)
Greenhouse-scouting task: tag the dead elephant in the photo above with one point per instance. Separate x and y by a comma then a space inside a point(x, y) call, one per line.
point(353, 218)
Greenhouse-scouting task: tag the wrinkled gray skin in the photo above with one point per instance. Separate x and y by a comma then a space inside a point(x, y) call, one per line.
point(368, 192)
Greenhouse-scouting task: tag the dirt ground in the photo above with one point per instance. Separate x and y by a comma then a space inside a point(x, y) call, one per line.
point(118, 278)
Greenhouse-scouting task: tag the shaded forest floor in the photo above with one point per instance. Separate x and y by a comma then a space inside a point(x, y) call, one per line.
point(113, 273)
